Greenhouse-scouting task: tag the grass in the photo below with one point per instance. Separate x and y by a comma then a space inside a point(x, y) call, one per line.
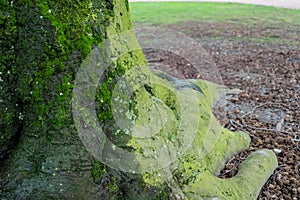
point(261, 40)
point(239, 16)
point(173, 12)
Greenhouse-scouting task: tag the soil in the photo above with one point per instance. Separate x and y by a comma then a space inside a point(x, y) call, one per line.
point(268, 108)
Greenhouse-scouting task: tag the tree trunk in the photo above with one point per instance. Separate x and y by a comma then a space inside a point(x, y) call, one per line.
point(58, 96)
point(43, 44)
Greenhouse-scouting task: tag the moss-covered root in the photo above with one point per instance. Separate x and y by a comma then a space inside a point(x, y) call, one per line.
point(246, 185)
point(228, 144)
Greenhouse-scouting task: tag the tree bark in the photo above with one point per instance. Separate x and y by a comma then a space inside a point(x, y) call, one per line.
point(175, 146)
point(43, 44)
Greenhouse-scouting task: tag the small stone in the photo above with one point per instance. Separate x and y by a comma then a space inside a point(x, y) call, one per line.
point(287, 197)
point(285, 191)
point(259, 141)
point(236, 111)
point(271, 186)
point(293, 180)
point(294, 191)
point(277, 151)
point(290, 155)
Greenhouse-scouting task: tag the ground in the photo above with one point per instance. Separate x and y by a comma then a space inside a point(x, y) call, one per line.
point(263, 62)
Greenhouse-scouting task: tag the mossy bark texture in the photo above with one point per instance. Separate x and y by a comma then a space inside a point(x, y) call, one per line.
point(43, 46)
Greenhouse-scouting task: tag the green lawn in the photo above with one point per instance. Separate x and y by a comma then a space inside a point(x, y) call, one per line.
point(172, 12)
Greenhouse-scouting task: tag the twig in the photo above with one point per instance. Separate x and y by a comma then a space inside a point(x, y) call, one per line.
point(262, 129)
point(230, 160)
point(251, 112)
point(233, 168)
point(232, 123)
point(155, 60)
point(297, 166)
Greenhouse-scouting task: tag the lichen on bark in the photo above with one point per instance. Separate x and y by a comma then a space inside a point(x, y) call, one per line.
point(44, 44)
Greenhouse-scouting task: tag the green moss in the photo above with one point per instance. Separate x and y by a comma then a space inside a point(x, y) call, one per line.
point(99, 171)
point(67, 27)
point(10, 110)
point(43, 52)
point(113, 186)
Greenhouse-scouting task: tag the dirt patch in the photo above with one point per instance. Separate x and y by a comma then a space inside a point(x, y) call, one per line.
point(268, 109)
point(277, 31)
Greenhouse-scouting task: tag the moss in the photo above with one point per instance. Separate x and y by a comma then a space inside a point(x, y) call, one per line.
point(50, 43)
point(99, 171)
point(68, 27)
point(112, 186)
point(42, 45)
point(10, 110)
point(211, 146)
point(125, 62)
